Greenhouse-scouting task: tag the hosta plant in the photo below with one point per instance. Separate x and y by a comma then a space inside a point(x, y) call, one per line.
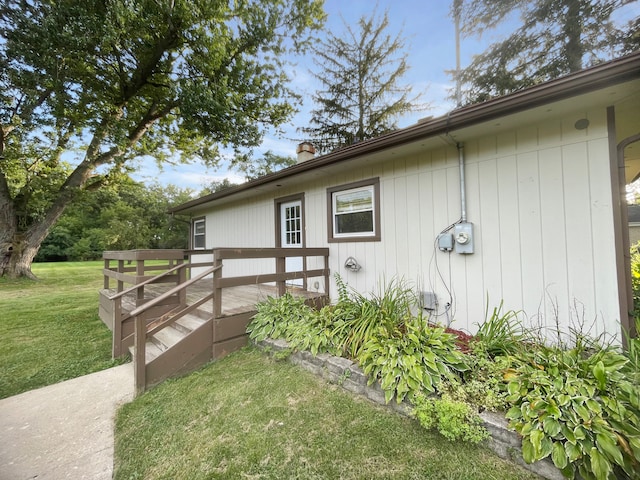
point(412, 360)
point(577, 406)
point(289, 318)
point(276, 316)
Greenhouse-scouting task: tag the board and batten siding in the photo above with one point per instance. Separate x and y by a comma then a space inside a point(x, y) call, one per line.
point(539, 197)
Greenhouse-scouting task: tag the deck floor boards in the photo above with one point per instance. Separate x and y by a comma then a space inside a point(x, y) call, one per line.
point(234, 299)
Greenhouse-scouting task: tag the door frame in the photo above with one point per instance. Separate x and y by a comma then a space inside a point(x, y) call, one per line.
point(278, 225)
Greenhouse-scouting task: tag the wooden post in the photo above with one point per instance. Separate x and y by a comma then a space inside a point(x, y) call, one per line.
point(217, 298)
point(139, 362)
point(116, 344)
point(106, 277)
point(182, 277)
point(120, 270)
point(139, 273)
point(280, 268)
point(326, 275)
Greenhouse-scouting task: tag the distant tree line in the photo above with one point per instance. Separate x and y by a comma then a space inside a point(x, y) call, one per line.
point(124, 217)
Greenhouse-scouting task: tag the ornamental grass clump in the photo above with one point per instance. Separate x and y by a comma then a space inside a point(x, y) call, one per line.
point(385, 311)
point(501, 333)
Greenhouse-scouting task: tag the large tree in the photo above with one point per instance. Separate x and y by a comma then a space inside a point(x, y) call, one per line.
point(269, 162)
point(360, 95)
point(87, 86)
point(120, 217)
point(553, 38)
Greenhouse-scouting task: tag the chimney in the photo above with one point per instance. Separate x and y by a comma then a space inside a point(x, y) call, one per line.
point(305, 152)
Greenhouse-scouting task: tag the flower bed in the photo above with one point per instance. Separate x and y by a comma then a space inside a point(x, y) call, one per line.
point(576, 405)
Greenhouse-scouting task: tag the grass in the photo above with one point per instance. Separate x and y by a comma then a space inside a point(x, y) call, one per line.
point(50, 328)
point(248, 416)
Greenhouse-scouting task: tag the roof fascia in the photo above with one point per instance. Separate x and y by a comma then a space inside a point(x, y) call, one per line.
point(588, 80)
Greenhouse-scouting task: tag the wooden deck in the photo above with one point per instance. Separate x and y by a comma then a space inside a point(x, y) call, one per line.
point(173, 316)
point(235, 300)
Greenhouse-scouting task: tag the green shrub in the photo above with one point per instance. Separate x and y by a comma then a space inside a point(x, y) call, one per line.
point(303, 327)
point(482, 387)
point(580, 408)
point(454, 419)
point(410, 360)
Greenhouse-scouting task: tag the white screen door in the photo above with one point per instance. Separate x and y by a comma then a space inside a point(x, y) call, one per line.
point(291, 235)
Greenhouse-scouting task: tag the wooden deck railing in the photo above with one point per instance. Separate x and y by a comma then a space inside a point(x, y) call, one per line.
point(150, 315)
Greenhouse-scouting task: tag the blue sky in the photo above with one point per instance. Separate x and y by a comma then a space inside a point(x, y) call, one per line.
point(430, 46)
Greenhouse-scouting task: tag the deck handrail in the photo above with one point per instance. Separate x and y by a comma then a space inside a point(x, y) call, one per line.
point(141, 329)
point(155, 301)
point(151, 315)
point(148, 281)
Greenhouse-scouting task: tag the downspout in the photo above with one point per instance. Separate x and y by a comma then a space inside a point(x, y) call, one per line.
point(463, 195)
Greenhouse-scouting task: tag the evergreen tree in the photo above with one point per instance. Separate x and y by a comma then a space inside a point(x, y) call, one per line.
point(555, 38)
point(360, 97)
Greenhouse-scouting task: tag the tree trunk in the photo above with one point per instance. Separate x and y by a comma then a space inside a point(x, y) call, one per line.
point(16, 257)
point(574, 50)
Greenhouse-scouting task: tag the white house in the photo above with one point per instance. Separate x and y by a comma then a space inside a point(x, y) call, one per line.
point(520, 199)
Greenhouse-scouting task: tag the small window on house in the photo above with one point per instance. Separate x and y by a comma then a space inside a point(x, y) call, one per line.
point(354, 212)
point(198, 234)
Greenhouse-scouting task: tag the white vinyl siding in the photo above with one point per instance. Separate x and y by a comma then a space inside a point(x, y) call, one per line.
point(539, 197)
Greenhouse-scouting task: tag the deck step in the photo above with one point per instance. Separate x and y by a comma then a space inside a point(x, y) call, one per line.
point(167, 337)
point(151, 351)
point(190, 322)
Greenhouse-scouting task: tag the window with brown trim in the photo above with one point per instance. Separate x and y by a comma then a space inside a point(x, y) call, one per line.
point(353, 212)
point(199, 229)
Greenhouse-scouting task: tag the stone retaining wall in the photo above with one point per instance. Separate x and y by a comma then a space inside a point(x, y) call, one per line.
point(347, 374)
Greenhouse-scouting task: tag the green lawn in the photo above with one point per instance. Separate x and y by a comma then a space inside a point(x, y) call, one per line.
point(248, 416)
point(50, 328)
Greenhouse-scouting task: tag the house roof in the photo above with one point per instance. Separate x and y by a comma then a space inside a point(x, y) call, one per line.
point(605, 84)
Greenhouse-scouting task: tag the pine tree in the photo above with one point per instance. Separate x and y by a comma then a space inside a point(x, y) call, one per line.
point(555, 38)
point(360, 97)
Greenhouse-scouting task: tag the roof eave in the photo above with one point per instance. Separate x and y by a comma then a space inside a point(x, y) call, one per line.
point(600, 76)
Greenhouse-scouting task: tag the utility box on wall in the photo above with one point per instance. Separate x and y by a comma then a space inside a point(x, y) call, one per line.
point(463, 236)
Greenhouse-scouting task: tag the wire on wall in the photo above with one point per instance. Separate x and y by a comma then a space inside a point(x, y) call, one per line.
point(449, 311)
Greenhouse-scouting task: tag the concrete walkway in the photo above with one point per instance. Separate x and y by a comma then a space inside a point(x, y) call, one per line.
point(63, 431)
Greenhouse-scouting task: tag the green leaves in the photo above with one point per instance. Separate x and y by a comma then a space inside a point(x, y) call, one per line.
point(454, 419)
point(559, 456)
point(584, 421)
point(412, 362)
point(600, 466)
point(600, 375)
point(99, 84)
point(360, 96)
point(607, 445)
